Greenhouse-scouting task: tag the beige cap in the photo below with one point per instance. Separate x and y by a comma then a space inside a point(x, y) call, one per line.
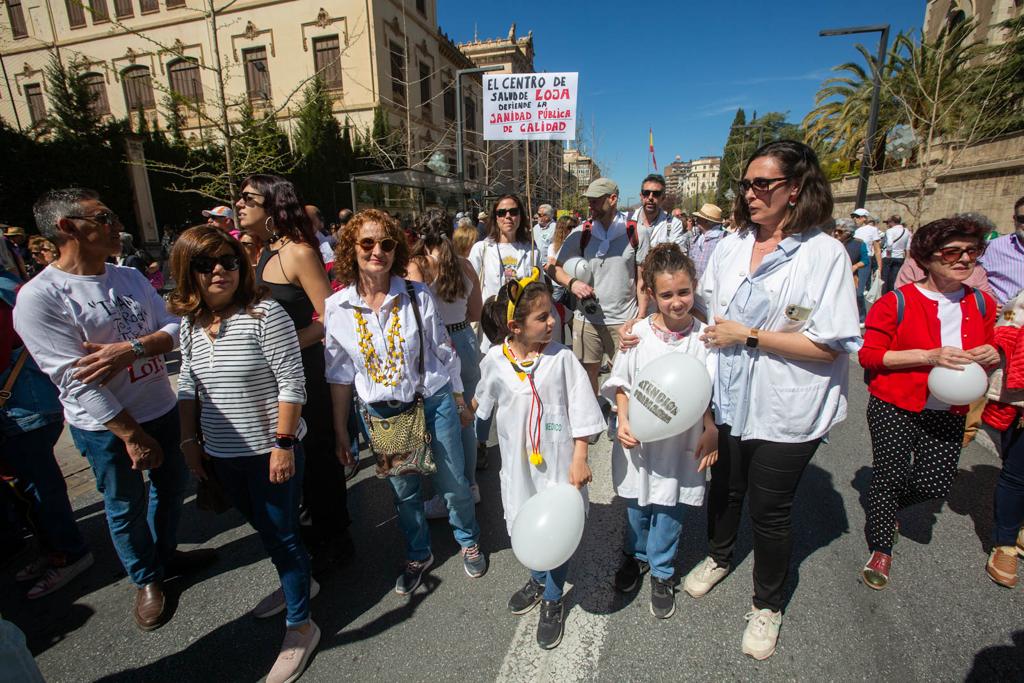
point(600, 188)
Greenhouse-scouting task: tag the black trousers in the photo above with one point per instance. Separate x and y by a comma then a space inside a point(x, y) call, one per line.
point(914, 458)
point(323, 488)
point(890, 269)
point(770, 473)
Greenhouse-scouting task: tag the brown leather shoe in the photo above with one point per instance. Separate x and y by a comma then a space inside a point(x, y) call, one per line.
point(1002, 566)
point(189, 561)
point(149, 607)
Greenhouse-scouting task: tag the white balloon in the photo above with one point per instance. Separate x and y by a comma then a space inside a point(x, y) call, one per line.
point(669, 395)
point(958, 387)
point(579, 268)
point(549, 527)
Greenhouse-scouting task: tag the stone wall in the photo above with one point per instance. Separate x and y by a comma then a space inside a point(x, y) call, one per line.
point(987, 177)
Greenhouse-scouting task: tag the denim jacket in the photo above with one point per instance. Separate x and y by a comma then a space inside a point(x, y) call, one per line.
point(34, 401)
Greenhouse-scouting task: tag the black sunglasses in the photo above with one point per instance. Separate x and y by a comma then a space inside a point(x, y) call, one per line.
point(652, 193)
point(103, 217)
point(206, 264)
point(759, 184)
point(1018, 218)
point(950, 255)
point(247, 198)
point(500, 213)
point(387, 244)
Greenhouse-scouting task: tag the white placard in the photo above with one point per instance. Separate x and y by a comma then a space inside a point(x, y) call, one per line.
point(530, 106)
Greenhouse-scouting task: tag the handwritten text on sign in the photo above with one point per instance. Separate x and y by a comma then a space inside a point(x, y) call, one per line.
point(530, 106)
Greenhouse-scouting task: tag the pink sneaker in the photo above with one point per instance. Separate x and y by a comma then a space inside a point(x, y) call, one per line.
point(58, 577)
point(295, 653)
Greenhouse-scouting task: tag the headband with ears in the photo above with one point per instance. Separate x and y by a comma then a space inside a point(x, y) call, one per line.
point(515, 292)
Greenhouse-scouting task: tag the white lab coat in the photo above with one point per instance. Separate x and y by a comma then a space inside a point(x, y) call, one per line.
point(793, 401)
point(570, 411)
point(659, 472)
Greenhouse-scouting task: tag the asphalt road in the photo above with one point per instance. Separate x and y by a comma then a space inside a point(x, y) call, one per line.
point(942, 619)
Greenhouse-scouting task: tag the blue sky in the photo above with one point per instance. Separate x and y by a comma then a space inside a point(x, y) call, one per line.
point(682, 67)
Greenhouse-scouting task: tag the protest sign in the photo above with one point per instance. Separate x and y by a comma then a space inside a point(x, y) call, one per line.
point(530, 106)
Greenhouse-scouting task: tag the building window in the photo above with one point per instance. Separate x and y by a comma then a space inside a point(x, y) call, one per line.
point(76, 13)
point(172, 4)
point(449, 103)
point(421, 7)
point(36, 103)
point(123, 9)
point(138, 88)
point(425, 89)
point(397, 71)
point(470, 114)
point(257, 73)
point(17, 16)
point(185, 79)
point(327, 60)
point(99, 10)
point(97, 86)
point(147, 6)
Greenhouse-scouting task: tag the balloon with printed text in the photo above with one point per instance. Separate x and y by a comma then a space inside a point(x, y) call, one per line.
point(669, 395)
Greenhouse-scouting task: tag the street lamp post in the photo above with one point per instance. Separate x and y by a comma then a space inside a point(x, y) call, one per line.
point(883, 44)
point(460, 159)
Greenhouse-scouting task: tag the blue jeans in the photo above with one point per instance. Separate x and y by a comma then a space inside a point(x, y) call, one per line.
point(464, 341)
point(553, 581)
point(356, 428)
point(273, 511)
point(30, 454)
point(144, 536)
point(449, 480)
point(652, 535)
point(1009, 496)
point(863, 280)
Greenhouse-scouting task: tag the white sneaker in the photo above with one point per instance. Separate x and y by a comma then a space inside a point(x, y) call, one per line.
point(275, 604)
point(58, 577)
point(762, 633)
point(435, 508)
point(704, 577)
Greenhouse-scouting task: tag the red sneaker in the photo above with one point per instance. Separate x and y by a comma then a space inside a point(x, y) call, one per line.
point(876, 571)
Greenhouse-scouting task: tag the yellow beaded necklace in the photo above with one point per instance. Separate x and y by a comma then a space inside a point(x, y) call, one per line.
point(389, 372)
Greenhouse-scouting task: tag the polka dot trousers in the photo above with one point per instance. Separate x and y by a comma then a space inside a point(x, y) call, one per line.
point(915, 457)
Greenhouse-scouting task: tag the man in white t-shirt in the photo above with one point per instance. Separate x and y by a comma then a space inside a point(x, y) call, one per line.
point(896, 242)
point(100, 331)
point(544, 230)
point(871, 236)
point(660, 225)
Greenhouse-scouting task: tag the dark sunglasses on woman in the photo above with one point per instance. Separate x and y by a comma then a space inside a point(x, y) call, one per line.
point(500, 213)
point(759, 184)
point(950, 255)
point(368, 243)
point(206, 264)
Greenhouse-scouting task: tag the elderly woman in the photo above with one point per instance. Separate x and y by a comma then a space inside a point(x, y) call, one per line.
point(387, 340)
point(42, 250)
point(242, 372)
point(290, 267)
point(937, 321)
point(783, 318)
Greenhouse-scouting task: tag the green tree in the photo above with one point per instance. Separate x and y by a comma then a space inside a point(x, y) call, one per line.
point(323, 149)
point(1002, 87)
point(729, 170)
point(71, 101)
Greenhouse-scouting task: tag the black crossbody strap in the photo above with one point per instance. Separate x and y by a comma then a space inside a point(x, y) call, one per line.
point(419, 330)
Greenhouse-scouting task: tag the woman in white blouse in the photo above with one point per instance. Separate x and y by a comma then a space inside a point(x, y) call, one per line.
point(373, 344)
point(783, 317)
point(241, 361)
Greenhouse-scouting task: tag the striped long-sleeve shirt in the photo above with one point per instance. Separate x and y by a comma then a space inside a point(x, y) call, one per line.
point(1003, 260)
point(242, 375)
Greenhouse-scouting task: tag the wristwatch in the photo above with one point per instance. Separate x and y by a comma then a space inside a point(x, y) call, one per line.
point(752, 338)
point(137, 348)
point(285, 441)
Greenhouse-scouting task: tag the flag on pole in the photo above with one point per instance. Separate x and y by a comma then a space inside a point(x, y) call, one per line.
point(654, 159)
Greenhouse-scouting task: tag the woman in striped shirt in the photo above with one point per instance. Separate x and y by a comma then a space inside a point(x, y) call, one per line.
point(241, 361)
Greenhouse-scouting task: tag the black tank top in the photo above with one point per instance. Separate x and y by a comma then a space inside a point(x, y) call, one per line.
point(292, 298)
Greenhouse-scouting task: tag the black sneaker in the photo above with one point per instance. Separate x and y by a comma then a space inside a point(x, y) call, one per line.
point(411, 575)
point(551, 624)
point(627, 579)
point(663, 598)
point(526, 598)
point(481, 456)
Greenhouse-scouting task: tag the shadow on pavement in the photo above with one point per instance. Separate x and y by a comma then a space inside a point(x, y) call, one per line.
point(999, 663)
point(819, 518)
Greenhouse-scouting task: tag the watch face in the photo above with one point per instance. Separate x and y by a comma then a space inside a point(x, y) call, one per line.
point(285, 442)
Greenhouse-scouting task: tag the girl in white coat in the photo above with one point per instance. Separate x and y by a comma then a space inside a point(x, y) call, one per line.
point(527, 382)
point(658, 478)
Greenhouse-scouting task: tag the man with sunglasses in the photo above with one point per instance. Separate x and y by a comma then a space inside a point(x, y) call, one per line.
point(100, 331)
point(660, 225)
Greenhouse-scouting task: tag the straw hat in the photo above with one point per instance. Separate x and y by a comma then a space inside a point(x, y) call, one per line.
point(709, 212)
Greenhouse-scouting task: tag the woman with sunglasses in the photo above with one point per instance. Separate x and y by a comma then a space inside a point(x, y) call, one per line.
point(916, 439)
point(43, 253)
point(376, 337)
point(290, 267)
point(240, 359)
point(782, 317)
point(252, 244)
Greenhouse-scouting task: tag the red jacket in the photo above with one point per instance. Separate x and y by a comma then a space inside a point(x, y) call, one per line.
point(920, 329)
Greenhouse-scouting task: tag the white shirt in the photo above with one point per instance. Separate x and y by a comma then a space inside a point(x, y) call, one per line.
point(491, 259)
point(326, 250)
point(570, 411)
point(897, 239)
point(56, 312)
point(793, 401)
point(345, 363)
point(542, 238)
point(950, 322)
point(665, 228)
point(660, 472)
point(868, 234)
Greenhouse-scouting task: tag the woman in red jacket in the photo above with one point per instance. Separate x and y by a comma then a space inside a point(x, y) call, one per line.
point(934, 322)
